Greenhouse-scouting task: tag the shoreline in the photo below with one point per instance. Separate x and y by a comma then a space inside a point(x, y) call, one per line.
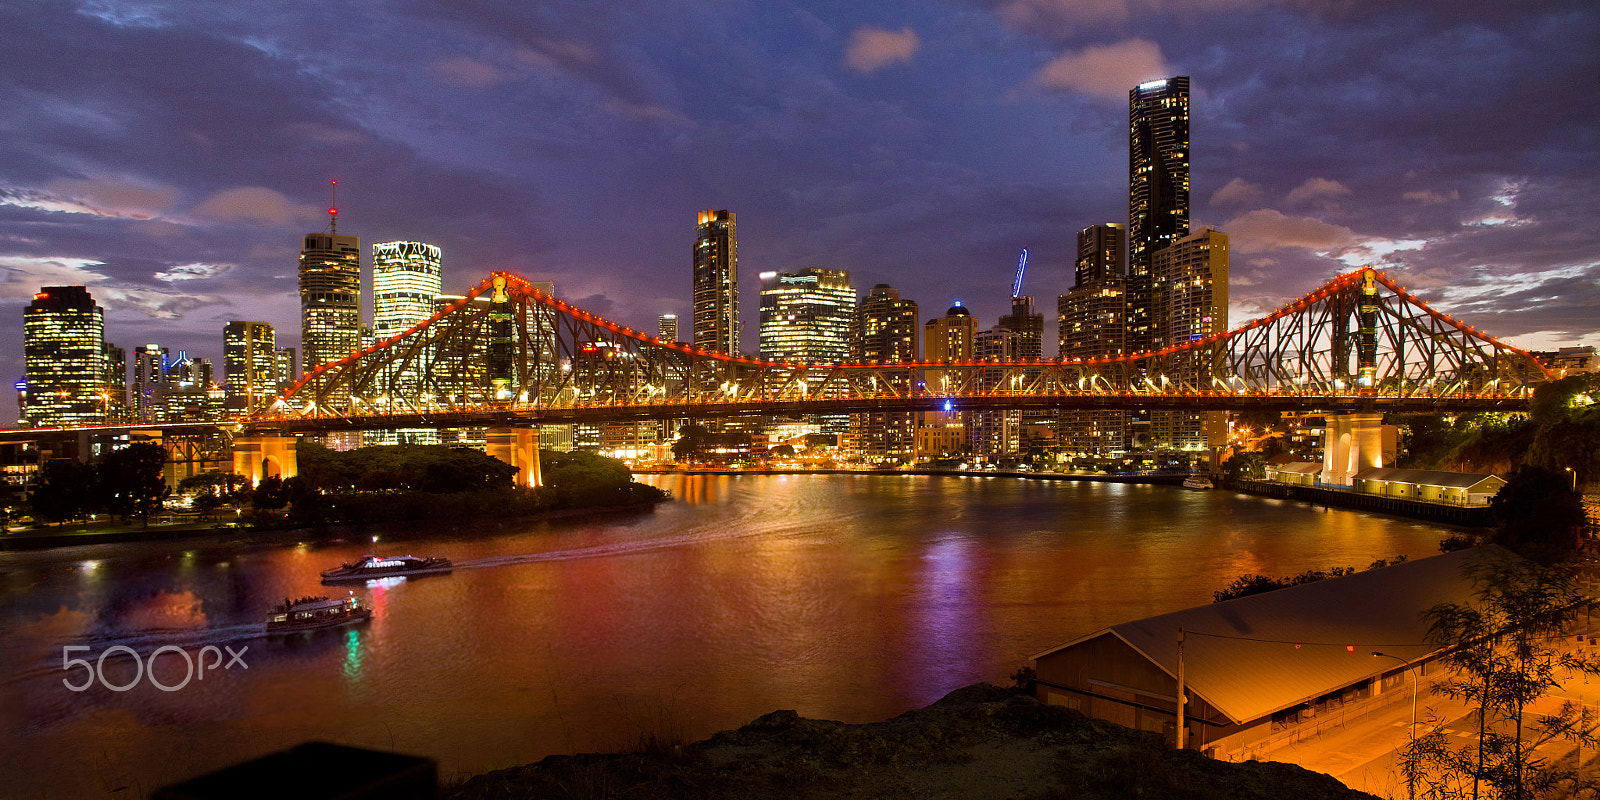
point(1152, 478)
point(26, 542)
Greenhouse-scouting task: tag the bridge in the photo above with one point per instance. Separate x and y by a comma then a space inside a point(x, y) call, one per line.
point(508, 357)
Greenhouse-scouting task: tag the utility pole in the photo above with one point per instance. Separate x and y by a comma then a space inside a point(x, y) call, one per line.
point(1183, 726)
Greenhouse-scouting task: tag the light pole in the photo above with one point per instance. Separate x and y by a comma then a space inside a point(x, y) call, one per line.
point(1411, 781)
point(1574, 474)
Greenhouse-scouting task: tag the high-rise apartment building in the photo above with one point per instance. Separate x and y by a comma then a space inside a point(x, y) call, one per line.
point(288, 367)
point(886, 330)
point(667, 327)
point(806, 316)
point(716, 282)
point(1090, 325)
point(330, 298)
point(1158, 192)
point(250, 356)
point(1190, 293)
point(996, 434)
point(64, 351)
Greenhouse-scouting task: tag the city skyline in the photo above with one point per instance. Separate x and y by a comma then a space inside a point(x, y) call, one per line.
point(917, 146)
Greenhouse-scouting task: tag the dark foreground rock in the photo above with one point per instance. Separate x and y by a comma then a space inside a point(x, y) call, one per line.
point(979, 743)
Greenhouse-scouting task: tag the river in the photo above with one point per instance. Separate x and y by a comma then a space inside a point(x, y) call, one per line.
point(840, 596)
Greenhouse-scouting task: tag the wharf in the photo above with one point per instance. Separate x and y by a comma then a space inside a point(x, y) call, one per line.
point(1468, 516)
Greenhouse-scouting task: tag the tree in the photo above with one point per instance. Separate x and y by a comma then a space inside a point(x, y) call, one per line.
point(1504, 653)
point(131, 480)
point(1539, 515)
point(63, 490)
point(270, 494)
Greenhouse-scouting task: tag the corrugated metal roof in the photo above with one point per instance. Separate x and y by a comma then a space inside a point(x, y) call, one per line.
point(1424, 477)
point(1299, 467)
point(1263, 653)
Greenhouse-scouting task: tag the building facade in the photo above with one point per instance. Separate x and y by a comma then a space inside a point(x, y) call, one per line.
point(806, 316)
point(148, 387)
point(1158, 192)
point(1090, 324)
point(1190, 299)
point(667, 327)
point(250, 356)
point(330, 299)
point(716, 282)
point(64, 359)
point(946, 338)
point(886, 329)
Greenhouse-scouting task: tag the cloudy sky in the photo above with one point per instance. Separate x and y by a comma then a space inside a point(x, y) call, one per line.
point(170, 155)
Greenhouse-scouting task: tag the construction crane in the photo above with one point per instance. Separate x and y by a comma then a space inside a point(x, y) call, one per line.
point(1022, 264)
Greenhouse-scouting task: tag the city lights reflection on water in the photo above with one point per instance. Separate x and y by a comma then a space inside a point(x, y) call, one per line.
point(843, 597)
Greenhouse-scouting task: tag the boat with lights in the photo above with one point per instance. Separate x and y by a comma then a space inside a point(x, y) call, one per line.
point(313, 613)
point(371, 567)
point(1197, 482)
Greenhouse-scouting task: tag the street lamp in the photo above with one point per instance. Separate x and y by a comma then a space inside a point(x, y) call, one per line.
point(1411, 781)
point(1574, 474)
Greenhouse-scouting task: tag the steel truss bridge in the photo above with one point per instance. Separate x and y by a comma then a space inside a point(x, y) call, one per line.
point(508, 354)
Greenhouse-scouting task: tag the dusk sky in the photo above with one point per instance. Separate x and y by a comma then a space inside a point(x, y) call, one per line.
point(171, 155)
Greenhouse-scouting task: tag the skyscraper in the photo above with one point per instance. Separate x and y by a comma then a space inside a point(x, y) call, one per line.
point(148, 388)
point(667, 327)
point(806, 316)
point(950, 338)
point(249, 354)
point(330, 298)
point(886, 330)
point(1090, 325)
point(1190, 302)
point(406, 276)
point(63, 351)
point(1158, 192)
point(716, 282)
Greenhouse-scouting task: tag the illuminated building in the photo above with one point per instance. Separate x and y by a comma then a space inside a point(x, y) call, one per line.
point(806, 315)
point(150, 366)
point(250, 356)
point(63, 350)
point(330, 300)
point(949, 337)
point(115, 372)
point(1090, 325)
point(288, 367)
point(886, 329)
point(667, 328)
point(1158, 192)
point(716, 282)
point(406, 276)
point(995, 433)
point(1190, 301)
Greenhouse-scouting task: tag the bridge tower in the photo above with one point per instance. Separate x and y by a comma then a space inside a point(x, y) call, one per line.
point(258, 456)
point(500, 340)
point(519, 447)
point(1351, 443)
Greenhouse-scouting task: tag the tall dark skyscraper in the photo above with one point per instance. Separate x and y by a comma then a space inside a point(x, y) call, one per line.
point(1158, 191)
point(886, 330)
point(716, 282)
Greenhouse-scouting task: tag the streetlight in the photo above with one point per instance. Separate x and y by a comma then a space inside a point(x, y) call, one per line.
point(1574, 475)
point(1411, 780)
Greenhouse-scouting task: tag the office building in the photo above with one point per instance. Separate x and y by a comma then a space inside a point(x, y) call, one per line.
point(806, 316)
point(1190, 293)
point(995, 435)
point(1090, 325)
point(667, 327)
point(149, 385)
point(114, 374)
point(1158, 192)
point(406, 276)
point(716, 282)
point(64, 353)
point(886, 330)
point(330, 301)
point(250, 356)
point(288, 367)
point(950, 337)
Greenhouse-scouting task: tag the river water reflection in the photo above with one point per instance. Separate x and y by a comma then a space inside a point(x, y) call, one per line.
point(843, 597)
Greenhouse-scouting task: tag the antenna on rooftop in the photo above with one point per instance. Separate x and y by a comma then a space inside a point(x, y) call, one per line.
point(333, 210)
point(1022, 264)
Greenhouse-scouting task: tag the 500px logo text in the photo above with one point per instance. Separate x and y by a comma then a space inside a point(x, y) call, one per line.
point(194, 667)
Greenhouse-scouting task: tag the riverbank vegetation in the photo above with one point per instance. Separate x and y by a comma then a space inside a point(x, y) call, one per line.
point(127, 483)
point(433, 482)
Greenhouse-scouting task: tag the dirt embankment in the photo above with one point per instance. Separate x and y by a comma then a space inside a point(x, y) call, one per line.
point(978, 743)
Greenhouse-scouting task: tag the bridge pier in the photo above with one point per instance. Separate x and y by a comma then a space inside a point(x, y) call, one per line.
point(519, 447)
point(257, 457)
point(1351, 443)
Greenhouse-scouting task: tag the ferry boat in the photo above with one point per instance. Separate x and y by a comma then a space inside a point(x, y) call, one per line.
point(313, 613)
point(1197, 482)
point(372, 567)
